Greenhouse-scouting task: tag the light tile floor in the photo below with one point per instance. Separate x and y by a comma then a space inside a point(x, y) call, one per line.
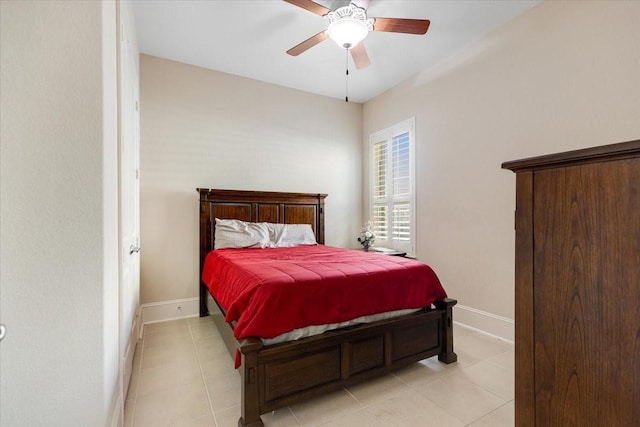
point(184, 377)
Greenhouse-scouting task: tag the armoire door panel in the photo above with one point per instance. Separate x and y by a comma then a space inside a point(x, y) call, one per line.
point(586, 294)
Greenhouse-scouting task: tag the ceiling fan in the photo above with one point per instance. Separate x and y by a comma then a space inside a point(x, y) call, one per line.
point(349, 25)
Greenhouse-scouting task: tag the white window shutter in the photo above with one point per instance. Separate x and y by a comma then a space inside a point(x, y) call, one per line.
point(392, 186)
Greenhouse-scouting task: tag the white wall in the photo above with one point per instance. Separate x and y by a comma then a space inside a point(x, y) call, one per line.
point(564, 75)
point(58, 182)
point(202, 128)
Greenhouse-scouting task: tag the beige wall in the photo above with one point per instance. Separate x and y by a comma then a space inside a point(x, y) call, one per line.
point(202, 128)
point(564, 75)
point(59, 229)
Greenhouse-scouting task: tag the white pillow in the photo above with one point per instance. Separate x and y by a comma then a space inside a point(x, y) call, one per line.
point(288, 235)
point(233, 233)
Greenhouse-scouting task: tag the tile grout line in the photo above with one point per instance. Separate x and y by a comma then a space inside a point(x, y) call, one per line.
point(206, 389)
point(497, 355)
point(295, 417)
point(489, 413)
point(434, 377)
point(487, 360)
point(362, 405)
point(445, 374)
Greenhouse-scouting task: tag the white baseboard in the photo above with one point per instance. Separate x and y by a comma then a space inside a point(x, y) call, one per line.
point(117, 412)
point(137, 327)
point(170, 310)
point(482, 321)
point(127, 361)
point(485, 322)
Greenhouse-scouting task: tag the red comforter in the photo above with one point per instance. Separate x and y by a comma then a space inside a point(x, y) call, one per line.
point(268, 292)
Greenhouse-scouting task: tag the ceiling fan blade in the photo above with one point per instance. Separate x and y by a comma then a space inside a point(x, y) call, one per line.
point(360, 57)
point(307, 44)
point(401, 25)
point(311, 6)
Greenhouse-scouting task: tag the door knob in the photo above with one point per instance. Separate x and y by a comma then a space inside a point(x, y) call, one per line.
point(3, 331)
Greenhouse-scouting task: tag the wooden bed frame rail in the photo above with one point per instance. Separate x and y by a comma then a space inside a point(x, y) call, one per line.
point(278, 376)
point(281, 375)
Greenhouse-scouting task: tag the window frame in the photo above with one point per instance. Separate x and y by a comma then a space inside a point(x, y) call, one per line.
point(387, 135)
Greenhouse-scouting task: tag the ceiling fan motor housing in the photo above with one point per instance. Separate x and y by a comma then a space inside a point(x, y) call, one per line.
point(348, 25)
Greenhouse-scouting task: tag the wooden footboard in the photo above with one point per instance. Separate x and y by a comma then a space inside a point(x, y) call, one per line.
point(284, 374)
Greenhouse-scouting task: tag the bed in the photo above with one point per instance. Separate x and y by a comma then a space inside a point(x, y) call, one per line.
point(282, 374)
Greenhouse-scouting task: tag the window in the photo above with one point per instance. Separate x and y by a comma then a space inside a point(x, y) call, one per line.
point(392, 187)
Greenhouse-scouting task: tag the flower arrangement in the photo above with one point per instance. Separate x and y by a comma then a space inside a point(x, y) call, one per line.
point(367, 237)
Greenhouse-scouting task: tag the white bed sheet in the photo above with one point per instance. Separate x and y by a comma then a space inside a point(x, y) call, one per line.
point(309, 331)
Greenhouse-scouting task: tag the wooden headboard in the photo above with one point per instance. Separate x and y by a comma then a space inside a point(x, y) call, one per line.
point(255, 206)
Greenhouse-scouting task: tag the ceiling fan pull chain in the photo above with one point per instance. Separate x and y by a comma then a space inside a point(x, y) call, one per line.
point(346, 55)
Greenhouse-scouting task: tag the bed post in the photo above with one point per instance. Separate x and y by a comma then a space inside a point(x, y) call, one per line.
point(446, 351)
point(204, 310)
point(205, 247)
point(250, 400)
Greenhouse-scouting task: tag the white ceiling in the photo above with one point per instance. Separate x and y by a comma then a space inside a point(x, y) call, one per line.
point(250, 38)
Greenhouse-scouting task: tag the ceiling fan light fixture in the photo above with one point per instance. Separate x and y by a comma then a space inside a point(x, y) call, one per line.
point(348, 26)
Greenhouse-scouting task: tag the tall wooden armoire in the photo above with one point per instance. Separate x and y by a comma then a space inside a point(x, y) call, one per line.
point(577, 288)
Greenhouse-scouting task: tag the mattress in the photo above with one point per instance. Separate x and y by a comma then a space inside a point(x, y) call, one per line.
point(269, 292)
